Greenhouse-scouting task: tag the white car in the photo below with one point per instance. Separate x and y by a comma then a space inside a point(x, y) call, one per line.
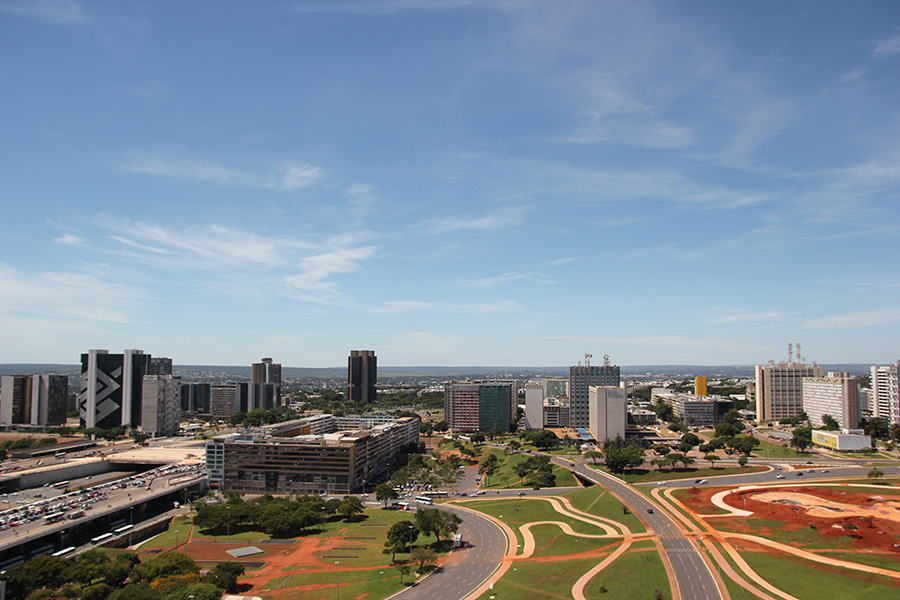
point(779, 476)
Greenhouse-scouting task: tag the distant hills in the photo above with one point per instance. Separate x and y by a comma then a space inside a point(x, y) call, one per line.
point(386, 372)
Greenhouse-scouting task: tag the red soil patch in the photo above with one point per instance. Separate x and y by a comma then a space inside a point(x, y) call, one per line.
point(870, 532)
point(699, 500)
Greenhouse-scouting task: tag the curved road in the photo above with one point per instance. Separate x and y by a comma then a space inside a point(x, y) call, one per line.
point(693, 577)
point(467, 568)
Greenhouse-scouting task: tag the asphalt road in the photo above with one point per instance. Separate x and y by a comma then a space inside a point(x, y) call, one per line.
point(468, 567)
point(790, 476)
point(694, 579)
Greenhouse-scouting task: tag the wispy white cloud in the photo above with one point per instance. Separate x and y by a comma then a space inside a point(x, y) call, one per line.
point(748, 317)
point(888, 315)
point(312, 282)
point(65, 295)
point(69, 239)
point(404, 306)
point(202, 246)
point(47, 11)
point(890, 45)
point(285, 176)
point(532, 277)
point(503, 218)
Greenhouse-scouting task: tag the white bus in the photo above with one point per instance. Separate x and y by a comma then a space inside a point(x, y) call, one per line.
point(60, 485)
point(53, 518)
point(424, 500)
point(64, 551)
point(102, 538)
point(123, 529)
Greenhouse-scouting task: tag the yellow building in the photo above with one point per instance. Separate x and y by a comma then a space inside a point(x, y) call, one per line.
point(700, 385)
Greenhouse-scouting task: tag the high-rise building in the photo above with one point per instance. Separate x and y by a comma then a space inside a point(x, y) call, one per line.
point(479, 405)
point(555, 387)
point(837, 395)
point(160, 366)
point(581, 378)
point(195, 398)
point(885, 397)
point(362, 376)
point(779, 389)
point(34, 399)
point(266, 371)
point(534, 406)
point(161, 405)
point(607, 412)
point(700, 385)
point(111, 386)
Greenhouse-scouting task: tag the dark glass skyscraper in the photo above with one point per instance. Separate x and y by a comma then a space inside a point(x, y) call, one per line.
point(362, 375)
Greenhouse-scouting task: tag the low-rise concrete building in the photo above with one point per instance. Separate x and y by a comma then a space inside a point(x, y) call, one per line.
point(282, 459)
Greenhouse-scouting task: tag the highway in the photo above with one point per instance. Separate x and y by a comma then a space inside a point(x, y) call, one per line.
point(467, 568)
point(693, 577)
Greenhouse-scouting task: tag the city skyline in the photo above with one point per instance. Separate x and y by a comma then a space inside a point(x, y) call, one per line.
point(450, 183)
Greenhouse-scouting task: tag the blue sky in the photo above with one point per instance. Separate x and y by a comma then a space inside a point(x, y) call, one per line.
point(450, 182)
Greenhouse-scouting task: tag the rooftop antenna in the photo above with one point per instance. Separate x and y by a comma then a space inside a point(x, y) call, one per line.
point(587, 359)
point(790, 353)
point(799, 360)
point(606, 360)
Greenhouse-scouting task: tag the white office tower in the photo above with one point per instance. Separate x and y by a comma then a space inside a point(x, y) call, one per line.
point(161, 405)
point(837, 395)
point(779, 389)
point(608, 412)
point(885, 399)
point(534, 406)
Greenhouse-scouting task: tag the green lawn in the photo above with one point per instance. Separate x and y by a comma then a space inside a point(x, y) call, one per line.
point(734, 589)
point(505, 476)
point(539, 580)
point(874, 559)
point(651, 475)
point(597, 501)
point(804, 579)
point(769, 449)
point(632, 575)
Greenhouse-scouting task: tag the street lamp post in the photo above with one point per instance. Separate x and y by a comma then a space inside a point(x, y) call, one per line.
point(131, 522)
point(410, 539)
point(337, 588)
point(228, 520)
point(176, 539)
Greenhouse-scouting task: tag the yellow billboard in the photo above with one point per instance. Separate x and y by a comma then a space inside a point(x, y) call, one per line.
point(829, 440)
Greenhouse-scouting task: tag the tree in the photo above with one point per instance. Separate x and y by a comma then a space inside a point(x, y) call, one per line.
point(691, 439)
point(43, 571)
point(619, 457)
point(399, 535)
point(593, 455)
point(875, 474)
point(743, 443)
point(661, 449)
point(477, 438)
point(488, 466)
point(712, 458)
point(829, 423)
point(404, 570)
point(426, 428)
point(350, 507)
point(543, 439)
point(165, 565)
point(441, 426)
point(423, 555)
point(225, 576)
point(742, 460)
point(438, 523)
point(514, 445)
point(385, 492)
point(802, 438)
